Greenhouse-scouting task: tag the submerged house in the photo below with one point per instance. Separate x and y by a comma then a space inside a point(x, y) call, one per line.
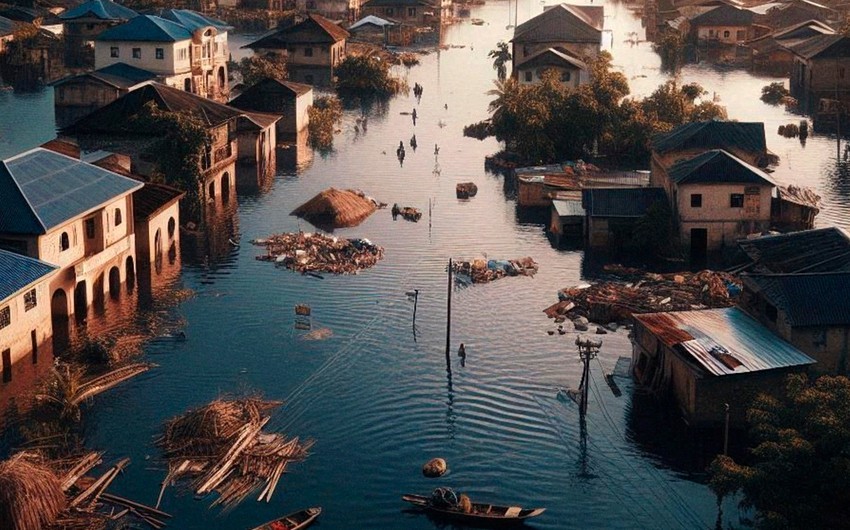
point(287, 99)
point(820, 71)
point(571, 70)
point(724, 24)
point(706, 359)
point(771, 52)
point(411, 12)
point(612, 213)
point(85, 22)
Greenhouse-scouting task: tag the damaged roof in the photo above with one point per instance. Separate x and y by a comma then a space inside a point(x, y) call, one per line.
point(809, 299)
point(564, 23)
point(723, 341)
point(717, 166)
point(713, 134)
point(818, 250)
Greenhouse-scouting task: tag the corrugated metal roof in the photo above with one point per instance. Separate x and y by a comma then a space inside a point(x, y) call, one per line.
point(621, 202)
point(17, 272)
point(102, 9)
point(711, 335)
point(119, 75)
point(146, 28)
point(713, 134)
point(724, 15)
point(7, 27)
point(563, 23)
point(717, 166)
point(811, 299)
point(818, 250)
point(192, 20)
point(41, 189)
point(822, 45)
point(566, 208)
point(313, 29)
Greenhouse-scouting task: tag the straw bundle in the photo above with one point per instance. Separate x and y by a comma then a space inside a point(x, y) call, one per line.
point(336, 208)
point(31, 495)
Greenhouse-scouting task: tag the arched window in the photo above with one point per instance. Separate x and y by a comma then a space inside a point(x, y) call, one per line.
point(64, 241)
point(172, 225)
point(212, 190)
point(726, 34)
point(118, 217)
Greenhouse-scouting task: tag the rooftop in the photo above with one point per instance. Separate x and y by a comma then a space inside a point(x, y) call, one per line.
point(724, 15)
point(563, 22)
point(568, 208)
point(723, 341)
point(810, 299)
point(102, 9)
point(822, 46)
point(371, 20)
point(118, 75)
point(391, 3)
point(18, 272)
point(43, 189)
point(7, 27)
point(151, 198)
point(314, 29)
point(621, 202)
point(717, 166)
point(552, 57)
point(819, 250)
point(146, 28)
point(244, 100)
point(713, 134)
point(192, 20)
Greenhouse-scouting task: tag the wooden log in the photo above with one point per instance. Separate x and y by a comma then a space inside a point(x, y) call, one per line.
point(84, 466)
point(223, 468)
point(121, 501)
point(94, 491)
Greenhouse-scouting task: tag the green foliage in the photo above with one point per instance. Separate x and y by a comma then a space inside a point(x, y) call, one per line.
point(256, 68)
point(479, 131)
point(802, 458)
point(325, 114)
point(500, 56)
point(366, 75)
point(774, 93)
point(671, 48)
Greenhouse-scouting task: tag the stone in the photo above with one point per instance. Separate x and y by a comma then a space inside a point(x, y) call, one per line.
point(612, 326)
point(436, 467)
point(601, 331)
point(581, 324)
point(560, 318)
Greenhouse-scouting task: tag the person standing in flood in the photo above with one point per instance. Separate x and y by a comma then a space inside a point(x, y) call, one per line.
point(414, 116)
point(461, 352)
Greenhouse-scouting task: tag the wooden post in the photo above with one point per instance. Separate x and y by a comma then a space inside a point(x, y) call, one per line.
point(726, 432)
point(449, 317)
point(415, 302)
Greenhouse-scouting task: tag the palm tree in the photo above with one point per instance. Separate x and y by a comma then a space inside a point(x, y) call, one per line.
point(500, 56)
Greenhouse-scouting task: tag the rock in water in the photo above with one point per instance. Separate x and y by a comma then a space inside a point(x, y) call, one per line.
point(435, 467)
point(580, 324)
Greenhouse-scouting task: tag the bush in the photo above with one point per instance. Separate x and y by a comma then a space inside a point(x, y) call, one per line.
point(366, 75)
point(774, 93)
point(325, 113)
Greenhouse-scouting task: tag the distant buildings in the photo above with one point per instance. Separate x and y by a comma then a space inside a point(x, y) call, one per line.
point(85, 22)
point(771, 52)
point(412, 12)
point(820, 71)
point(724, 24)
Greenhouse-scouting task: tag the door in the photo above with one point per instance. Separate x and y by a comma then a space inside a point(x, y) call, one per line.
point(699, 244)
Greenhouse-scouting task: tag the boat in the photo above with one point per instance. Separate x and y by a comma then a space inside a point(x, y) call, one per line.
point(480, 513)
point(293, 521)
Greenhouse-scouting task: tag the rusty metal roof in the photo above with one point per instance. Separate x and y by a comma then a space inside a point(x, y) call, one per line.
point(723, 341)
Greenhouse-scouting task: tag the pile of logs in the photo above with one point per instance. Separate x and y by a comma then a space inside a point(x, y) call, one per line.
point(632, 291)
point(221, 447)
point(306, 252)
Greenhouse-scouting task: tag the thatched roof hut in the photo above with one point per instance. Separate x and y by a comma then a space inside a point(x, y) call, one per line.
point(335, 208)
point(31, 495)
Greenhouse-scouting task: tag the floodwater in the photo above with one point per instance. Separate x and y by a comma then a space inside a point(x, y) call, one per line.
point(377, 396)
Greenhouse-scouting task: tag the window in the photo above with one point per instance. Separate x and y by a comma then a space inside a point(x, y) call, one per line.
point(89, 27)
point(7, 365)
point(736, 200)
point(160, 53)
point(411, 11)
point(137, 53)
point(566, 76)
point(711, 33)
point(34, 337)
point(841, 72)
point(819, 338)
point(726, 34)
point(89, 228)
point(308, 52)
point(30, 300)
point(64, 242)
point(5, 317)
point(696, 200)
point(172, 225)
point(528, 76)
point(118, 219)
point(113, 51)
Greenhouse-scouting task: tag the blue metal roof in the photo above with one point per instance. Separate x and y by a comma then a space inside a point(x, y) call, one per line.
point(713, 134)
point(102, 9)
point(41, 189)
point(17, 272)
point(147, 28)
point(192, 20)
point(710, 335)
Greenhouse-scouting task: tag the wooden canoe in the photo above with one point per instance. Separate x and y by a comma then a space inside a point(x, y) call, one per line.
point(293, 521)
point(481, 513)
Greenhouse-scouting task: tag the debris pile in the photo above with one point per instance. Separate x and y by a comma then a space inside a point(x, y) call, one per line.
point(307, 252)
point(466, 190)
point(484, 271)
point(222, 447)
point(335, 208)
point(632, 291)
point(407, 212)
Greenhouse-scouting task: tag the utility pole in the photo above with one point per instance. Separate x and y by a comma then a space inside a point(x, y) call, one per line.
point(587, 351)
point(449, 318)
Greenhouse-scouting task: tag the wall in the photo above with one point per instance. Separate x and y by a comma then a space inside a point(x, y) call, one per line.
point(718, 34)
point(420, 15)
point(79, 97)
point(172, 62)
point(738, 391)
point(724, 224)
point(146, 233)
point(302, 107)
point(17, 336)
point(576, 76)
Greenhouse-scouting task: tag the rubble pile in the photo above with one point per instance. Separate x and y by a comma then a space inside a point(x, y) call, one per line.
point(484, 271)
point(307, 252)
point(632, 291)
point(222, 447)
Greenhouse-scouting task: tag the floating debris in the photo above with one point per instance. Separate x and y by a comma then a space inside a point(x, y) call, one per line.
point(318, 334)
point(303, 310)
point(436, 467)
point(335, 208)
point(466, 190)
point(407, 212)
point(633, 291)
point(223, 448)
point(309, 253)
point(484, 271)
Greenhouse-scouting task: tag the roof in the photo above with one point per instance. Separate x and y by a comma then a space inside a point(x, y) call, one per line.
point(809, 28)
point(118, 75)
point(42, 189)
point(30, 14)
point(822, 46)
point(257, 120)
point(405, 3)
point(551, 57)
point(566, 208)
point(192, 20)
point(621, 202)
point(146, 28)
point(717, 166)
point(723, 341)
point(7, 27)
point(809, 299)
point(247, 96)
point(63, 146)
point(116, 116)
point(819, 250)
point(371, 19)
point(763, 9)
point(713, 134)
point(152, 198)
point(313, 29)
point(17, 272)
point(102, 9)
point(564, 23)
point(724, 15)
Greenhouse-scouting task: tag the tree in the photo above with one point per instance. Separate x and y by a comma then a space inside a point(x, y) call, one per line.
point(325, 113)
point(500, 56)
point(801, 462)
point(774, 93)
point(671, 48)
point(256, 68)
point(366, 75)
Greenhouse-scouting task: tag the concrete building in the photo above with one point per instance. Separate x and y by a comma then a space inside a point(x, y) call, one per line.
point(79, 95)
point(612, 213)
point(289, 100)
point(820, 71)
point(705, 359)
point(771, 52)
point(256, 138)
point(85, 22)
point(73, 215)
point(571, 70)
point(576, 29)
point(186, 49)
point(25, 326)
point(311, 49)
point(338, 10)
point(411, 12)
point(724, 24)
